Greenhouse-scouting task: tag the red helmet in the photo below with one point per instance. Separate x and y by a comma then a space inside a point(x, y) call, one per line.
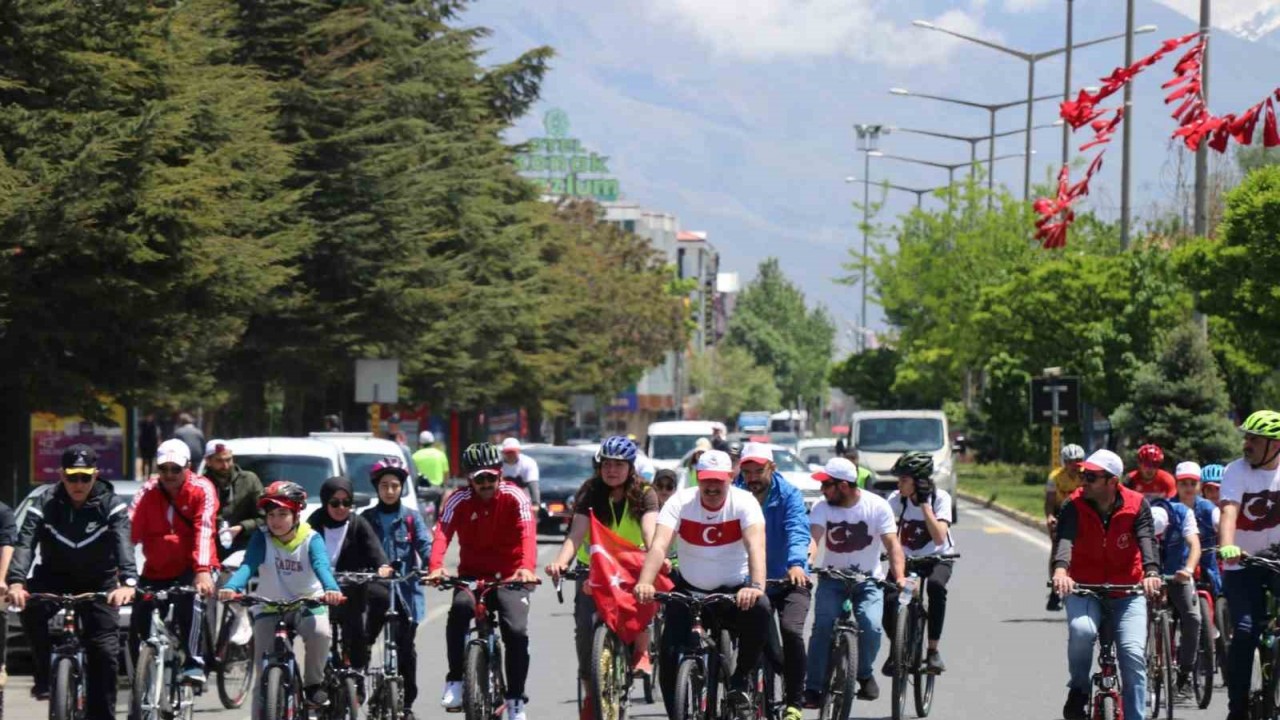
point(285, 494)
point(1150, 454)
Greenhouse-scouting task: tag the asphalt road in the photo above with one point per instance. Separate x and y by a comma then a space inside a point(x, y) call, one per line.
point(1006, 657)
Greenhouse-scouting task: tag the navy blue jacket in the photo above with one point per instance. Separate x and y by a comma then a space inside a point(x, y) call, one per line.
point(1208, 538)
point(786, 527)
point(1173, 547)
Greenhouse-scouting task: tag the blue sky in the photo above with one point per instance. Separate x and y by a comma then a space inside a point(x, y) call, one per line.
point(736, 115)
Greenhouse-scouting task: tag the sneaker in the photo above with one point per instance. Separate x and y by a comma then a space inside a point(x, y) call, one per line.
point(1076, 707)
point(868, 689)
point(316, 696)
point(1184, 683)
point(934, 665)
point(792, 713)
point(515, 709)
point(193, 675)
point(812, 700)
point(890, 668)
point(40, 693)
point(740, 705)
point(1055, 602)
point(451, 698)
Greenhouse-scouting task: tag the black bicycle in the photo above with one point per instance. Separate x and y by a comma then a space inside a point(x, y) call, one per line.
point(386, 687)
point(158, 688)
point(1106, 702)
point(281, 685)
point(911, 638)
point(228, 649)
point(1264, 696)
point(705, 660)
point(1160, 669)
point(838, 688)
point(767, 684)
point(66, 664)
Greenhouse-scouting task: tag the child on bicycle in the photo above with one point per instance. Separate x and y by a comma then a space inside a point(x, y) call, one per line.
point(290, 561)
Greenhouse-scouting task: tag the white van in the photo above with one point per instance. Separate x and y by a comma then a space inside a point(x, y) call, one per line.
point(669, 441)
point(882, 436)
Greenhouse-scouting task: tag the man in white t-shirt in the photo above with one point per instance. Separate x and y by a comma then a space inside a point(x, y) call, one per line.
point(1250, 523)
point(520, 469)
point(721, 549)
point(924, 527)
point(852, 527)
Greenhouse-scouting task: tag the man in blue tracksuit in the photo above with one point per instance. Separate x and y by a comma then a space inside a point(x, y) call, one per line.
point(786, 532)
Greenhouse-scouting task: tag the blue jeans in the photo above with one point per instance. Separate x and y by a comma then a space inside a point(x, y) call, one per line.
point(1246, 599)
point(868, 607)
point(1129, 619)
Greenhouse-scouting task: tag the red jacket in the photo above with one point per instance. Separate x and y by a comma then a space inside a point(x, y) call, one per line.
point(494, 538)
point(1109, 554)
point(1161, 482)
point(172, 546)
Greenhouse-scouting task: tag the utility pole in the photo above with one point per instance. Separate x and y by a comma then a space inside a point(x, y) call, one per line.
point(868, 142)
point(1066, 85)
point(1202, 153)
point(1127, 150)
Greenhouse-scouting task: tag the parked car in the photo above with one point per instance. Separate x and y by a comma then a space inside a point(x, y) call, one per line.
point(670, 440)
point(816, 451)
point(797, 472)
point(561, 471)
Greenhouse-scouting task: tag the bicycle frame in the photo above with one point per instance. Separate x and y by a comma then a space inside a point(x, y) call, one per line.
point(68, 646)
point(1106, 682)
point(169, 650)
point(281, 653)
point(700, 644)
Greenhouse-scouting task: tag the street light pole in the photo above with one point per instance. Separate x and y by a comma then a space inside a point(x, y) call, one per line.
point(868, 143)
point(1127, 147)
point(1066, 84)
point(1202, 153)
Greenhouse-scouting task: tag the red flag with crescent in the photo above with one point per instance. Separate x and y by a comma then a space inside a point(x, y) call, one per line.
point(615, 565)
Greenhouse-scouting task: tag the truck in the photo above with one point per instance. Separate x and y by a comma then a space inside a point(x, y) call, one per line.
point(753, 422)
point(882, 436)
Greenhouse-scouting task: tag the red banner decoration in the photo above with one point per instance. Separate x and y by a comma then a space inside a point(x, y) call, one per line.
point(1196, 125)
point(615, 565)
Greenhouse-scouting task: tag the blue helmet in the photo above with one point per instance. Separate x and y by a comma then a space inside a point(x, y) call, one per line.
point(618, 447)
point(1211, 474)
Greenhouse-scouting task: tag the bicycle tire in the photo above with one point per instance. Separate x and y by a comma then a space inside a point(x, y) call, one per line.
point(1162, 679)
point(606, 690)
point(393, 697)
point(1205, 670)
point(475, 684)
point(147, 688)
point(1270, 694)
point(275, 701)
point(651, 685)
point(497, 677)
point(923, 681)
point(1222, 618)
point(346, 706)
point(842, 672)
point(186, 702)
point(62, 698)
point(235, 668)
point(1107, 709)
point(901, 657)
point(690, 702)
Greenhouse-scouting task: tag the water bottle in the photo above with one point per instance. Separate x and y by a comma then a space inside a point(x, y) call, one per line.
point(904, 597)
point(224, 534)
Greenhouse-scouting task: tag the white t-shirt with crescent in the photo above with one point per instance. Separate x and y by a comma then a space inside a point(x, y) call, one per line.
point(1258, 494)
point(916, 540)
point(710, 549)
point(852, 536)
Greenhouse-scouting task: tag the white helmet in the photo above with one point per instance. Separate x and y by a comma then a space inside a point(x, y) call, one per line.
point(1159, 518)
point(1072, 453)
point(426, 438)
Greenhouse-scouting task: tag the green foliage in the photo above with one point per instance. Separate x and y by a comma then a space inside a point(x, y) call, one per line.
point(869, 376)
point(730, 382)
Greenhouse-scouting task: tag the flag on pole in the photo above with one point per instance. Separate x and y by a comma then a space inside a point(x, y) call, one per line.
point(615, 565)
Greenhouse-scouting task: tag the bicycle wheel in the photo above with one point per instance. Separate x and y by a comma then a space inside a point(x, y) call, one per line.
point(1106, 709)
point(1222, 618)
point(497, 678)
point(275, 701)
point(234, 666)
point(148, 687)
point(1270, 685)
point(922, 680)
point(391, 698)
point(186, 702)
point(475, 685)
point(651, 682)
point(842, 672)
point(691, 692)
point(1161, 681)
point(1202, 677)
point(900, 653)
point(62, 698)
point(606, 688)
point(346, 706)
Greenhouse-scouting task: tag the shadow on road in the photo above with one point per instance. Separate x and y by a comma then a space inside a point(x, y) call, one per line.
point(1040, 620)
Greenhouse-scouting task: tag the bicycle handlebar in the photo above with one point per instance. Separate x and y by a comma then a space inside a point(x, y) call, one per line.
point(363, 578)
point(700, 600)
point(164, 593)
point(480, 584)
point(1266, 563)
point(287, 605)
point(847, 575)
point(1098, 588)
point(66, 599)
point(574, 573)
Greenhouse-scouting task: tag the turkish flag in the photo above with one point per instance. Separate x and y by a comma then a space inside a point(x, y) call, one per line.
point(615, 564)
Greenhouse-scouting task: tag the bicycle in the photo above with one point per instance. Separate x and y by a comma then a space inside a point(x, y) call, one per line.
point(1160, 668)
point(838, 691)
point(231, 663)
point(66, 664)
point(1264, 701)
point(705, 664)
point(386, 687)
point(281, 684)
point(1106, 702)
point(1205, 667)
point(767, 682)
point(158, 687)
point(911, 638)
point(484, 685)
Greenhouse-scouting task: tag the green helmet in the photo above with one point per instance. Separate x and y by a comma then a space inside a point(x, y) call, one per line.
point(480, 456)
point(1264, 423)
point(917, 464)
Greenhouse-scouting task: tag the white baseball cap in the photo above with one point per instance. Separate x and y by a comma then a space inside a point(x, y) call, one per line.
point(1187, 470)
point(837, 469)
point(715, 465)
point(173, 451)
point(426, 438)
point(213, 447)
point(511, 445)
point(1160, 519)
point(1104, 461)
point(757, 453)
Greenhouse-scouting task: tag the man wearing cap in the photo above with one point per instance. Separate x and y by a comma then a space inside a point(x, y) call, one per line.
point(430, 460)
point(1106, 535)
point(1179, 557)
point(516, 464)
point(238, 493)
point(173, 518)
point(786, 537)
point(852, 527)
point(81, 529)
point(722, 549)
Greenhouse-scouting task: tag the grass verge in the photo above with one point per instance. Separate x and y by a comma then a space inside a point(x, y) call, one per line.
point(1017, 486)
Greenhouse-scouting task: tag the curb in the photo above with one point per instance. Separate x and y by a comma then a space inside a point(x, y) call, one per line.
point(1016, 515)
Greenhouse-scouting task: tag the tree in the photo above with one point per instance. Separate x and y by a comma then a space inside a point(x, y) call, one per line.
point(730, 382)
point(1180, 402)
point(868, 377)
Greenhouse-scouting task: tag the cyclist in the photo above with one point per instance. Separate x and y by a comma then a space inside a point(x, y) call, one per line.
point(1250, 524)
point(352, 546)
point(722, 549)
point(625, 504)
point(430, 461)
point(1106, 535)
point(735, 454)
point(496, 538)
point(238, 493)
point(786, 535)
point(406, 544)
point(1207, 516)
point(1179, 556)
point(924, 528)
point(81, 529)
point(1062, 482)
point(854, 526)
point(296, 566)
point(1149, 480)
point(1211, 487)
point(523, 468)
point(173, 519)
point(664, 483)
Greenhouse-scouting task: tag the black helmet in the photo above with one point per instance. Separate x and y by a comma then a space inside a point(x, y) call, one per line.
point(917, 464)
point(481, 456)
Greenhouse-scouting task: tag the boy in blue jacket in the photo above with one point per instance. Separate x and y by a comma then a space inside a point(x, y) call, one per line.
point(786, 535)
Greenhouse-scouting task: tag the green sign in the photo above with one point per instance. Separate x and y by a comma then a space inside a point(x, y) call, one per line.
point(557, 163)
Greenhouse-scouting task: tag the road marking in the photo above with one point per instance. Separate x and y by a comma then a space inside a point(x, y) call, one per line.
point(993, 530)
point(993, 522)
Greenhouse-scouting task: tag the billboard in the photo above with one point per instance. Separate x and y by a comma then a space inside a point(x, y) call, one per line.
point(51, 434)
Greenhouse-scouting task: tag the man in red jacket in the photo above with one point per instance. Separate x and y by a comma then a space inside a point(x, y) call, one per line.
point(174, 517)
point(1106, 535)
point(496, 539)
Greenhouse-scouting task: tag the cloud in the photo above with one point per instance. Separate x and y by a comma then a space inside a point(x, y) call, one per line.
point(1018, 6)
point(763, 30)
point(1250, 19)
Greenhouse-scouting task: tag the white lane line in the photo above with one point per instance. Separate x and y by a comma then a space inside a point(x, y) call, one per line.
point(990, 518)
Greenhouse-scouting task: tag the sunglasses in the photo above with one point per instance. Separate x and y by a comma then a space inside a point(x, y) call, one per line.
point(170, 469)
point(485, 479)
point(1092, 477)
point(79, 478)
point(335, 502)
point(665, 487)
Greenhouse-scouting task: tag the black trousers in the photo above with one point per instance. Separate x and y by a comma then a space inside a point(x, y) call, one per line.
point(792, 605)
point(936, 585)
point(101, 645)
point(188, 613)
point(513, 624)
point(378, 597)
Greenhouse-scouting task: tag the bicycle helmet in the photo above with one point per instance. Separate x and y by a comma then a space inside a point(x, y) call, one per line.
point(285, 494)
point(1150, 454)
point(618, 448)
point(389, 464)
point(916, 464)
point(481, 456)
point(1211, 474)
point(1263, 423)
point(1072, 454)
